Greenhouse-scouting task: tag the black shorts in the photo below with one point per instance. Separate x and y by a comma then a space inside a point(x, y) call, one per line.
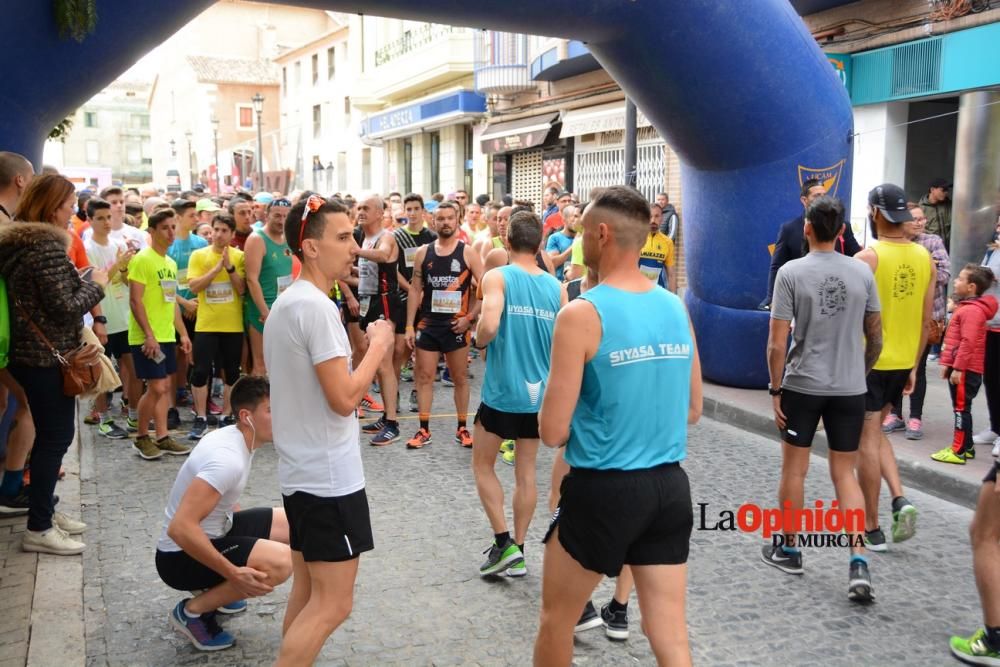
point(991, 476)
point(508, 425)
point(118, 346)
point(180, 571)
point(610, 518)
point(222, 351)
point(348, 317)
point(884, 387)
point(843, 419)
point(329, 529)
point(437, 336)
point(189, 327)
point(383, 307)
point(147, 369)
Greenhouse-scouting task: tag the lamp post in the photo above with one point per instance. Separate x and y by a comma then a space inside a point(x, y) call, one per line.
point(187, 135)
point(215, 137)
point(258, 107)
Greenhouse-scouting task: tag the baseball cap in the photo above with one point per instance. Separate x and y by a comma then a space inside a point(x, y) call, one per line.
point(206, 205)
point(891, 201)
point(431, 206)
point(263, 197)
point(940, 183)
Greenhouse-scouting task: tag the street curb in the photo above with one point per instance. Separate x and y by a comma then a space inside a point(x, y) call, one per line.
point(57, 629)
point(913, 473)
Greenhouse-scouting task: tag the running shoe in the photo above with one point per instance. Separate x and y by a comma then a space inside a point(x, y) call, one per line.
point(233, 607)
point(859, 582)
point(93, 418)
point(146, 448)
point(933, 357)
point(182, 398)
point(996, 448)
point(969, 453)
point(228, 420)
point(517, 570)
point(131, 424)
point(173, 419)
point(893, 423)
point(947, 456)
point(499, 558)
point(508, 457)
point(914, 429)
point(776, 556)
point(67, 524)
point(974, 650)
point(198, 429)
point(615, 623)
point(406, 373)
point(414, 406)
point(904, 520)
point(985, 437)
point(375, 426)
point(168, 445)
point(217, 388)
point(369, 403)
point(214, 408)
point(203, 631)
point(588, 619)
point(421, 438)
point(54, 541)
point(446, 379)
point(212, 420)
point(875, 541)
point(112, 431)
point(15, 505)
point(463, 437)
point(388, 435)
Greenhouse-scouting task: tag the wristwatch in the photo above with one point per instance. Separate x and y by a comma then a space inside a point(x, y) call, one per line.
point(100, 319)
point(772, 391)
point(231, 269)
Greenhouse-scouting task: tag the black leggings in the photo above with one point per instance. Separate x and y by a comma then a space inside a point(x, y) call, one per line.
point(919, 391)
point(224, 350)
point(991, 378)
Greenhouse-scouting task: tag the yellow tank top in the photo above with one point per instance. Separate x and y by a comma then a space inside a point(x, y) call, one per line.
point(902, 276)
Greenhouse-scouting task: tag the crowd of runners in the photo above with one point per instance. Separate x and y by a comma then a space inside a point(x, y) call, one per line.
point(271, 317)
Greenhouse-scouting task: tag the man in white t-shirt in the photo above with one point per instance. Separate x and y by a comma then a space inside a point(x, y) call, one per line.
point(206, 544)
point(308, 355)
point(134, 238)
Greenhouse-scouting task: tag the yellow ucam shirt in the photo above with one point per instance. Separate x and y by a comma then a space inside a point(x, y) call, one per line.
point(220, 307)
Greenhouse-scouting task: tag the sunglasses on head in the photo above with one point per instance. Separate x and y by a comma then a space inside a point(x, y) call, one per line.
point(280, 202)
point(313, 204)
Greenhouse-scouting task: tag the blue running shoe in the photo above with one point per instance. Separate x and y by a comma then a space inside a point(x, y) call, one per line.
point(203, 631)
point(233, 607)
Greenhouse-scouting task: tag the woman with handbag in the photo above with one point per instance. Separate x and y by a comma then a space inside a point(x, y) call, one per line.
point(48, 299)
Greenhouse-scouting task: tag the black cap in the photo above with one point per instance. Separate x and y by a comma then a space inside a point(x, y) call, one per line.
point(891, 200)
point(940, 183)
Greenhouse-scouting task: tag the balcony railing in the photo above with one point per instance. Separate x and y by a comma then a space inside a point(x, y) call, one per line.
point(412, 40)
point(501, 62)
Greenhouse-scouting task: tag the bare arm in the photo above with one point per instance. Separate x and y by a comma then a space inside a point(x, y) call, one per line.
point(135, 293)
point(695, 401)
point(574, 341)
point(253, 258)
point(342, 388)
point(493, 303)
point(385, 252)
point(476, 266)
point(672, 279)
point(777, 349)
point(199, 284)
point(928, 312)
point(416, 287)
point(873, 339)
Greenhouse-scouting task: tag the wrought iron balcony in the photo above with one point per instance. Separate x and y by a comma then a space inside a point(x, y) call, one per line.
point(501, 63)
point(413, 40)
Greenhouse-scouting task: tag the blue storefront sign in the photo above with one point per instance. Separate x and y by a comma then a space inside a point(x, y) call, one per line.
point(422, 113)
point(841, 63)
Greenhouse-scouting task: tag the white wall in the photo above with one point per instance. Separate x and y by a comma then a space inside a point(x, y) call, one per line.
point(879, 155)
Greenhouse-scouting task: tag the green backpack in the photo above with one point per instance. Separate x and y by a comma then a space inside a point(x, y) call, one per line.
point(4, 324)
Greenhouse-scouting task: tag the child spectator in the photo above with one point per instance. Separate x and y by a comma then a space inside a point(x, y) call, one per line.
point(963, 355)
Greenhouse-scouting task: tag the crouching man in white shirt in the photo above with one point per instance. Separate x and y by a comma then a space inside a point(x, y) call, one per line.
point(208, 544)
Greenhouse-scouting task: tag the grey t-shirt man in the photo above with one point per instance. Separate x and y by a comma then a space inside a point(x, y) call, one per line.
point(826, 295)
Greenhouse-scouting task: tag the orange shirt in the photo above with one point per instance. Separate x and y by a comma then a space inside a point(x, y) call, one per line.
point(79, 226)
point(78, 253)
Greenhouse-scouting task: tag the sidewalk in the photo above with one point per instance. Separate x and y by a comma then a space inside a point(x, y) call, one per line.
point(751, 409)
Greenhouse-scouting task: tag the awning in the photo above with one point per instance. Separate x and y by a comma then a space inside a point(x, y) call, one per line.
point(602, 118)
point(516, 134)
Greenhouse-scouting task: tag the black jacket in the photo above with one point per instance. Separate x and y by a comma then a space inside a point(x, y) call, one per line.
point(792, 244)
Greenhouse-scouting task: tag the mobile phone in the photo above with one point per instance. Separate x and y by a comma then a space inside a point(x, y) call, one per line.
point(159, 357)
point(87, 274)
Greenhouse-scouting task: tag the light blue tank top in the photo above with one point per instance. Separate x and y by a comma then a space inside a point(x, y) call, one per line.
point(633, 406)
point(517, 360)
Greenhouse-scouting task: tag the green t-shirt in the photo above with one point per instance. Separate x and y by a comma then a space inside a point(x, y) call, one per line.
point(576, 256)
point(159, 275)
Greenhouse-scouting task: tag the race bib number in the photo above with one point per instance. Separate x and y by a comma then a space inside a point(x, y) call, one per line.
point(182, 279)
point(446, 302)
point(652, 274)
point(409, 254)
point(217, 293)
point(284, 282)
point(363, 305)
point(169, 288)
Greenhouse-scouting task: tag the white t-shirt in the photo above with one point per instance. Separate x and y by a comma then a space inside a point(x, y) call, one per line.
point(319, 451)
point(125, 234)
point(223, 460)
point(115, 304)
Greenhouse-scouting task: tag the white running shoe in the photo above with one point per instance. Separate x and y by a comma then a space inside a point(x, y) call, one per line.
point(52, 541)
point(69, 525)
point(984, 437)
point(996, 448)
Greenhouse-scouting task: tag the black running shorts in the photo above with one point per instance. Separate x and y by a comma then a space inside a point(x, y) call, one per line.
point(884, 387)
point(991, 476)
point(437, 336)
point(843, 417)
point(610, 518)
point(508, 425)
point(384, 307)
point(329, 529)
point(182, 572)
point(118, 345)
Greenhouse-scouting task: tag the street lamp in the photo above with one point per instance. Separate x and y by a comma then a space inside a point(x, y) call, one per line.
point(258, 107)
point(215, 137)
point(187, 135)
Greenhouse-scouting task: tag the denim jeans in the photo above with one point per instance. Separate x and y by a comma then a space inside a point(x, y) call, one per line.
point(54, 416)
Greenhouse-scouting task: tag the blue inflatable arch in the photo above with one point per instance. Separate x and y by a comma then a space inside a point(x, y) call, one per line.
point(740, 90)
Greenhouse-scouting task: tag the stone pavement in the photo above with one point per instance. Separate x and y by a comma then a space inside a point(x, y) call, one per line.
point(420, 601)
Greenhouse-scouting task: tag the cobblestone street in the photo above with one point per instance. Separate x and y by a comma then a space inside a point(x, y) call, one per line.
point(420, 601)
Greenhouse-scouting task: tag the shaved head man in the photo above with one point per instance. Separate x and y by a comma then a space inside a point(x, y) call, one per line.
point(16, 171)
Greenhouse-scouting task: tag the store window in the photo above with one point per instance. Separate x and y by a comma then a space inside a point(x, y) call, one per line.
point(315, 68)
point(317, 121)
point(435, 162)
point(407, 165)
point(331, 63)
point(90, 119)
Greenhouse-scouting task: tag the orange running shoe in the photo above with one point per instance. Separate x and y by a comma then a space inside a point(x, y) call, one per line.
point(369, 403)
point(463, 437)
point(421, 438)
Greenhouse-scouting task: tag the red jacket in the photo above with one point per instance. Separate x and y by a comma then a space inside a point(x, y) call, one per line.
point(964, 346)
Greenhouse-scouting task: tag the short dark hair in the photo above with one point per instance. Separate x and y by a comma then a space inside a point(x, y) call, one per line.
point(180, 205)
point(394, 194)
point(524, 232)
point(236, 201)
point(808, 185)
point(134, 209)
point(315, 222)
point(826, 215)
point(629, 212)
point(980, 276)
point(225, 219)
point(552, 190)
point(161, 215)
point(663, 194)
point(462, 191)
point(81, 203)
point(112, 190)
point(249, 392)
point(95, 204)
point(452, 205)
point(438, 197)
point(413, 196)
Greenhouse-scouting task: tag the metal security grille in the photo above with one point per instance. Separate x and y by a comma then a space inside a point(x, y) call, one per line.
point(526, 177)
point(897, 72)
point(601, 167)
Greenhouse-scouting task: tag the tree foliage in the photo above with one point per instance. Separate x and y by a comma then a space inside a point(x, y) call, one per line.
point(75, 18)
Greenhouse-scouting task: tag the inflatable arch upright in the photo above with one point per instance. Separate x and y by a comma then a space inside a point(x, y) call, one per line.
point(740, 90)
